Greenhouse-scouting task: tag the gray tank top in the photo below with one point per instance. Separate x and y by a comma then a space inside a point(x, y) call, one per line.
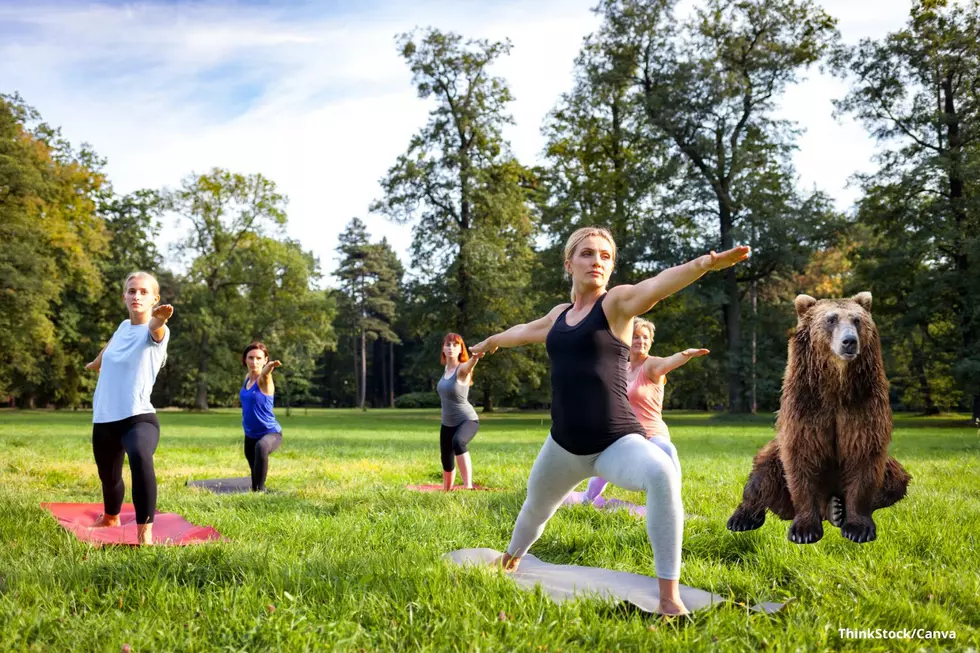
point(456, 409)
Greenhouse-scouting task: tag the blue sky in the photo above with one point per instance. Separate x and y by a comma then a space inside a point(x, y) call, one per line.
point(315, 96)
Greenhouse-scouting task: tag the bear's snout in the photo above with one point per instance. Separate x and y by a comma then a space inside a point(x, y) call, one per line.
point(847, 345)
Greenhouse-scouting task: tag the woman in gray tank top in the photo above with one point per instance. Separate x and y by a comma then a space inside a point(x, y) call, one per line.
point(459, 420)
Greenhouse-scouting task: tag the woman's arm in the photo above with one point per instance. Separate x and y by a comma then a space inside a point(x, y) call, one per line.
point(655, 367)
point(97, 363)
point(158, 323)
point(266, 384)
point(522, 334)
point(464, 373)
point(626, 302)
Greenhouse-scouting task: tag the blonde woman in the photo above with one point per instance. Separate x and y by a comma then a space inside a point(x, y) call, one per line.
point(594, 431)
point(124, 422)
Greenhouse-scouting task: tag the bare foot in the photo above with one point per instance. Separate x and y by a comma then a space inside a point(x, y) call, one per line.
point(144, 534)
point(507, 562)
point(672, 608)
point(106, 521)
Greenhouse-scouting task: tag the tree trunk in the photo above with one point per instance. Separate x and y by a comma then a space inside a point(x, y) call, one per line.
point(965, 293)
point(623, 272)
point(363, 368)
point(384, 372)
point(754, 406)
point(732, 313)
point(462, 265)
point(391, 374)
point(357, 370)
point(201, 401)
point(487, 399)
point(919, 368)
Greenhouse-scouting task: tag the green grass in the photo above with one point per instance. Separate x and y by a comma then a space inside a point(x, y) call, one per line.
point(349, 560)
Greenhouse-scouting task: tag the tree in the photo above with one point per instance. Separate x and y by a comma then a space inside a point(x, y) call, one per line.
point(707, 87)
point(51, 244)
point(471, 241)
point(369, 274)
point(916, 91)
point(228, 214)
point(603, 169)
point(389, 285)
point(436, 180)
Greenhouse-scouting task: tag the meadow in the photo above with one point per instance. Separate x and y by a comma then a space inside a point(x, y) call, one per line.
point(343, 558)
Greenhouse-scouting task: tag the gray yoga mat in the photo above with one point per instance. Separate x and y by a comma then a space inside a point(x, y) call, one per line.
point(224, 485)
point(568, 582)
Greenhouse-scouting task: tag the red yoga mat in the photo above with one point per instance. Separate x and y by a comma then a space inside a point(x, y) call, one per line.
point(168, 528)
point(433, 487)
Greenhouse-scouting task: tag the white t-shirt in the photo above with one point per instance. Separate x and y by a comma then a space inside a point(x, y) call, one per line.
point(129, 367)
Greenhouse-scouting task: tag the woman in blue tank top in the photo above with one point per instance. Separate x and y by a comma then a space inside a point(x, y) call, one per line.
point(459, 419)
point(263, 435)
point(593, 429)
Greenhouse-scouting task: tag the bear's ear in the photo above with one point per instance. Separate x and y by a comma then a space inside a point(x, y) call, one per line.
point(864, 300)
point(803, 304)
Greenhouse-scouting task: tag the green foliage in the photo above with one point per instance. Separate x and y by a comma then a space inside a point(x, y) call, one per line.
point(915, 90)
point(244, 282)
point(52, 241)
point(466, 195)
point(418, 400)
point(370, 275)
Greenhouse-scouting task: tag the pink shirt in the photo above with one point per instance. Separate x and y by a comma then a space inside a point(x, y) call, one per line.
point(647, 401)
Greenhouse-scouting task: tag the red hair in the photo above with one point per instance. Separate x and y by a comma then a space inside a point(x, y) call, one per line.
point(454, 337)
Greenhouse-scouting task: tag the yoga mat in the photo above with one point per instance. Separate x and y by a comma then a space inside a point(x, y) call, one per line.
point(433, 487)
point(224, 485)
point(168, 528)
point(568, 582)
point(606, 504)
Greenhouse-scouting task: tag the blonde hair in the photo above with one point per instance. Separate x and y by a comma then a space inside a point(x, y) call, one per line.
point(139, 274)
point(576, 239)
point(640, 323)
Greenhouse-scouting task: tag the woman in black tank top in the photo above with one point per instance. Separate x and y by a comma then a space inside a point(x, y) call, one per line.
point(593, 426)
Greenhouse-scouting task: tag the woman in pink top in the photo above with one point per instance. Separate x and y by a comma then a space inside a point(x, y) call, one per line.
point(646, 379)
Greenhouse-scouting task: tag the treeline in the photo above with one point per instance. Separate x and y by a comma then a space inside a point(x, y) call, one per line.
point(668, 137)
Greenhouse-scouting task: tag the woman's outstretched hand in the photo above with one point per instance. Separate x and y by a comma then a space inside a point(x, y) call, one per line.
point(729, 258)
point(694, 353)
point(483, 348)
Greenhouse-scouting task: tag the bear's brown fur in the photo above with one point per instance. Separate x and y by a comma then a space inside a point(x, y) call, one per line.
point(829, 459)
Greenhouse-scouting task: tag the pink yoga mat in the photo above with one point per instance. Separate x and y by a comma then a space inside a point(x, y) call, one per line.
point(433, 487)
point(168, 528)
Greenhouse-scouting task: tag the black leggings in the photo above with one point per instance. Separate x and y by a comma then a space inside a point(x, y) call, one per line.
point(257, 452)
point(137, 437)
point(453, 440)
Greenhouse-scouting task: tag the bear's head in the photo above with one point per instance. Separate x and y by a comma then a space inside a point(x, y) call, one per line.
point(841, 327)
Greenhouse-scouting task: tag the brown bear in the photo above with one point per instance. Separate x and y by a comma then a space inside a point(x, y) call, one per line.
point(829, 459)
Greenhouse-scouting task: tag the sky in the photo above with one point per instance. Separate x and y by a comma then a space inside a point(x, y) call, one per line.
point(315, 96)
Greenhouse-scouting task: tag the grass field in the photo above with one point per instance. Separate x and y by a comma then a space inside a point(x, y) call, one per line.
point(346, 559)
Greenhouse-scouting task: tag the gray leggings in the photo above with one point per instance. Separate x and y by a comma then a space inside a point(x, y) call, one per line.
point(632, 463)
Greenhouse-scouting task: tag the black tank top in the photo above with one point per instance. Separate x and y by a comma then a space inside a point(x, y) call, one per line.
point(589, 408)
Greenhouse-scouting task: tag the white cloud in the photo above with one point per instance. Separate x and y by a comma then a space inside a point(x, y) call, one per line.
point(324, 103)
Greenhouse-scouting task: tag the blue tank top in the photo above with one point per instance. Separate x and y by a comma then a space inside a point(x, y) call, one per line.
point(257, 417)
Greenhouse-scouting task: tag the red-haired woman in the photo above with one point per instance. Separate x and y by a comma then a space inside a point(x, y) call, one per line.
point(263, 435)
point(459, 420)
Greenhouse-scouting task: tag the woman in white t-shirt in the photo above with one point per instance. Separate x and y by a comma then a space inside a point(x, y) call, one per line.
point(124, 420)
